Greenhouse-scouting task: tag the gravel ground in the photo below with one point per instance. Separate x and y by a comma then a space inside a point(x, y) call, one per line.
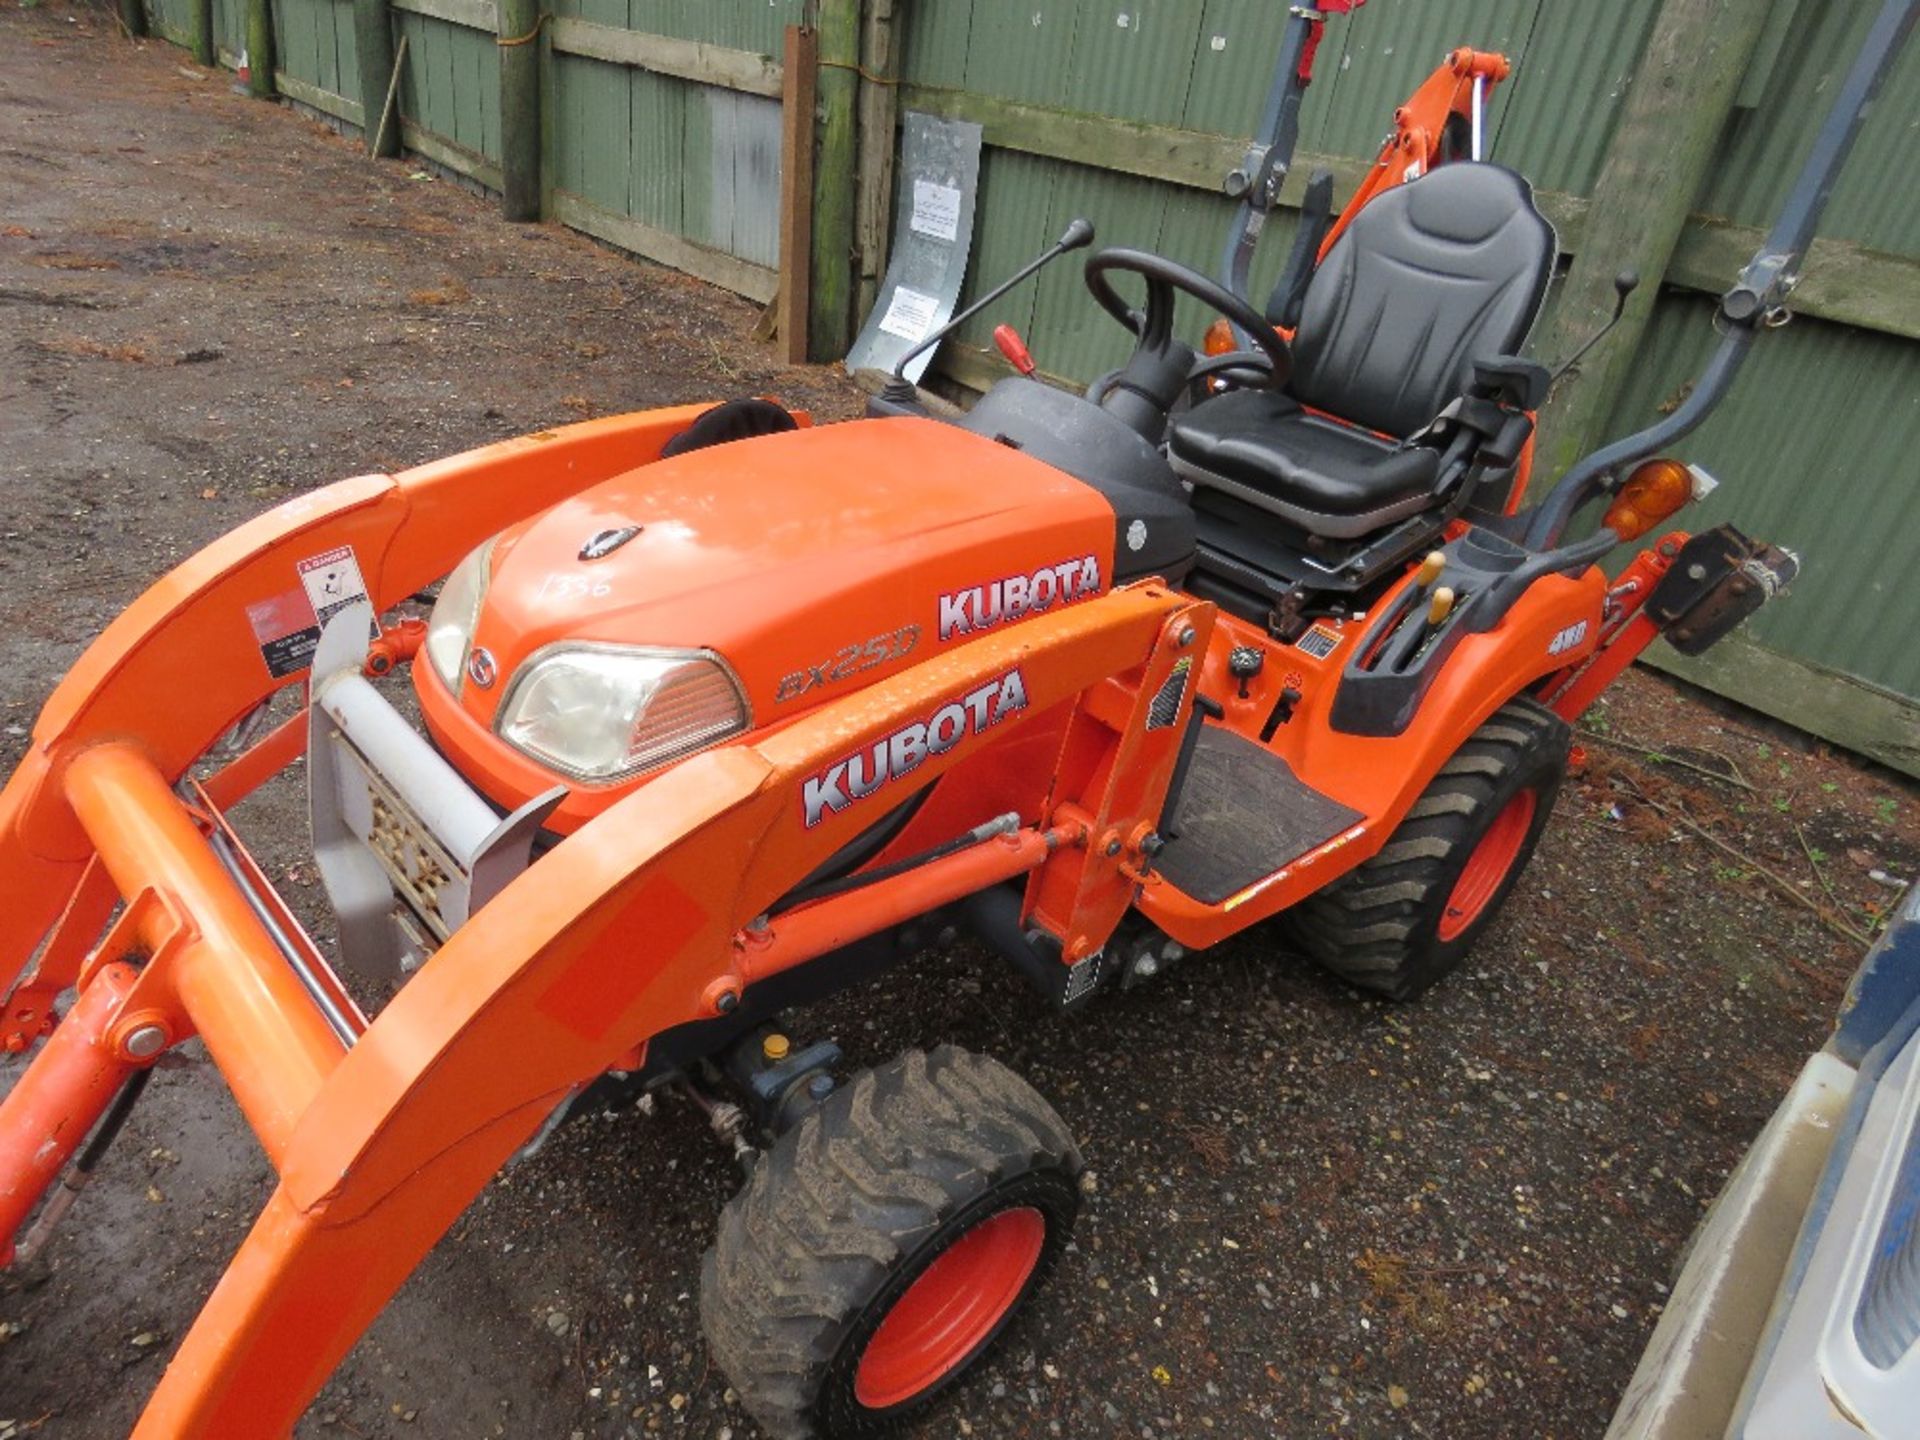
point(1314, 1214)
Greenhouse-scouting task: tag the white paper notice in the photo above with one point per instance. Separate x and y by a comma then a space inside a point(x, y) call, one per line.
point(936, 210)
point(911, 314)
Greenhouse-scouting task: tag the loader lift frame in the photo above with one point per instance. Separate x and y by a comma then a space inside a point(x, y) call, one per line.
point(383, 1134)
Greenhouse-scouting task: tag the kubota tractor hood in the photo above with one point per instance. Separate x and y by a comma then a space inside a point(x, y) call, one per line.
point(798, 566)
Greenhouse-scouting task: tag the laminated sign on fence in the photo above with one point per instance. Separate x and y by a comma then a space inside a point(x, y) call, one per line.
point(932, 236)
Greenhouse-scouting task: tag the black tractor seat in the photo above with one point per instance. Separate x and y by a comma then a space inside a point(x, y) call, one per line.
point(1432, 280)
point(1324, 476)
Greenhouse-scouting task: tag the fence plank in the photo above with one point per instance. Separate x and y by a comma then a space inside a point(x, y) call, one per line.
point(1836, 707)
point(665, 55)
point(756, 282)
point(1840, 281)
point(456, 158)
point(325, 101)
point(473, 14)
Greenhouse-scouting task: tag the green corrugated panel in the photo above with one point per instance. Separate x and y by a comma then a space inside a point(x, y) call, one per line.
point(293, 30)
point(347, 50)
point(757, 25)
point(696, 168)
point(326, 48)
point(658, 148)
point(229, 25)
point(319, 56)
point(570, 83)
point(436, 55)
point(1233, 63)
point(1081, 339)
point(1815, 451)
point(410, 98)
point(479, 115)
point(1568, 87)
point(1876, 201)
point(1020, 49)
point(1133, 59)
point(277, 11)
point(934, 42)
point(1013, 205)
point(1032, 199)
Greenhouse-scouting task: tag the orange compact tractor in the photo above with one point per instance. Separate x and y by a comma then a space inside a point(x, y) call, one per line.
point(724, 710)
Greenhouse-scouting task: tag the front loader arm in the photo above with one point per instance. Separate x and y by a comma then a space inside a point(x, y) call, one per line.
point(636, 924)
point(186, 660)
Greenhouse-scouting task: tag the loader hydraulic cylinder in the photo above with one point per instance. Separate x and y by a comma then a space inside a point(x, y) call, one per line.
point(59, 1098)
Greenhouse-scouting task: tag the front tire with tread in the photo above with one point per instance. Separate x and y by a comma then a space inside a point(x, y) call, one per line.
point(848, 1208)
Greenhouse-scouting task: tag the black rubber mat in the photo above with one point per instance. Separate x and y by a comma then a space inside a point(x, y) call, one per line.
point(1243, 815)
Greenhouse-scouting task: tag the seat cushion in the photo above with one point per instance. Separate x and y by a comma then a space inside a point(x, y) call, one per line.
point(1328, 477)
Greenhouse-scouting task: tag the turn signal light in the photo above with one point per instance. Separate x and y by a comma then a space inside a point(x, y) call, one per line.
point(1655, 490)
point(1219, 339)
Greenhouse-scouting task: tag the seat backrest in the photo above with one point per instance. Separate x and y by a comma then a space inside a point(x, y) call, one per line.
point(1428, 276)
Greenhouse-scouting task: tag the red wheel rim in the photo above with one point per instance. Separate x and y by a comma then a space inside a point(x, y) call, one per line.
point(1488, 866)
point(952, 1309)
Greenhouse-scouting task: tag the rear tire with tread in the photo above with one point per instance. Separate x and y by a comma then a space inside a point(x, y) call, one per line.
point(1385, 925)
point(850, 1207)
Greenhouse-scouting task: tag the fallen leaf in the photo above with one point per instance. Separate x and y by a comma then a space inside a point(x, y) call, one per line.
point(1396, 1396)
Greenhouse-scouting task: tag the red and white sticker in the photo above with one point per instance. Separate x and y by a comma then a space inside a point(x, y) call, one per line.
point(332, 582)
point(287, 627)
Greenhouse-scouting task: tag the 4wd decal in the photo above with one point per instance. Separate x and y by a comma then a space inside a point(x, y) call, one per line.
point(1567, 638)
point(847, 661)
point(865, 771)
point(981, 607)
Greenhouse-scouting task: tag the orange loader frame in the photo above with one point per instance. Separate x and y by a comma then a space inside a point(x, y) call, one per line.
point(381, 1133)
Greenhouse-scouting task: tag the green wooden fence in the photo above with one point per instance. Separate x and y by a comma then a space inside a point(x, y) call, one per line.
point(660, 124)
point(663, 129)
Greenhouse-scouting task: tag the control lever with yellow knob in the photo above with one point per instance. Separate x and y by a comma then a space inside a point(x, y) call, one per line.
point(1430, 569)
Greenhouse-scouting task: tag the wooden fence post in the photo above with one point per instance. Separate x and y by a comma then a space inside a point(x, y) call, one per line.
point(133, 18)
point(260, 56)
point(830, 329)
point(1669, 130)
point(519, 108)
point(373, 37)
point(204, 51)
point(798, 95)
point(879, 115)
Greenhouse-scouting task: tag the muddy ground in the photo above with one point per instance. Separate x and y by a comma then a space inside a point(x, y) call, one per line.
point(1315, 1214)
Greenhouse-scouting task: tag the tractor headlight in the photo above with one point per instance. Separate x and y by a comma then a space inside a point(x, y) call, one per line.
point(603, 713)
point(450, 628)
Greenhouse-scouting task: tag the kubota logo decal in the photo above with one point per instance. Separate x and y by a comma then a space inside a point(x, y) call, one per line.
point(862, 773)
point(981, 607)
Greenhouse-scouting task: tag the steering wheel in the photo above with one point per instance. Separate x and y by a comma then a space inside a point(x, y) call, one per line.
point(1154, 326)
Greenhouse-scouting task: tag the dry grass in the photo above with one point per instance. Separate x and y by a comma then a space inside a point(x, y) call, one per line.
point(449, 292)
point(66, 260)
point(80, 346)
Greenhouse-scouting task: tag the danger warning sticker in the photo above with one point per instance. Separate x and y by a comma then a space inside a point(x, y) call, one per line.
point(287, 627)
point(332, 582)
